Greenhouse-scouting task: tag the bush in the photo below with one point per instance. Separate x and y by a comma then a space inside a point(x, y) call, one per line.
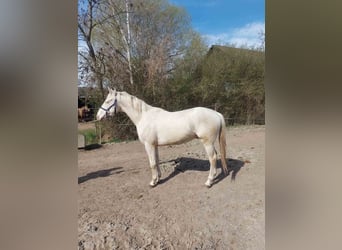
point(118, 128)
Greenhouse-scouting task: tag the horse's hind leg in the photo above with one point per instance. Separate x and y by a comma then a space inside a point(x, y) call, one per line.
point(210, 149)
point(152, 152)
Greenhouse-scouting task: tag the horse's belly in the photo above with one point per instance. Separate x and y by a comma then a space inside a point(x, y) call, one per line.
point(170, 141)
point(168, 128)
point(174, 136)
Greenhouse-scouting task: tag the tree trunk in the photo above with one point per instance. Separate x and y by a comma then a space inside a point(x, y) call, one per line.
point(129, 45)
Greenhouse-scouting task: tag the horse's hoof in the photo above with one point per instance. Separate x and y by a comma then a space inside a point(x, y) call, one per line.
point(208, 184)
point(153, 184)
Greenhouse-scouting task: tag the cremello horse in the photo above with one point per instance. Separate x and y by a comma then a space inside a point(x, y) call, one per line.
point(158, 127)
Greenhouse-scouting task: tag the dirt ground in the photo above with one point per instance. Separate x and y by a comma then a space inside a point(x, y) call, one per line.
point(86, 125)
point(118, 209)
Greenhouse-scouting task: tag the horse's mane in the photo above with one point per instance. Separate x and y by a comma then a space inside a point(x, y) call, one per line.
point(137, 104)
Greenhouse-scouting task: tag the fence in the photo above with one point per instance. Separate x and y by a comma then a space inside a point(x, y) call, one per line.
point(99, 131)
point(229, 121)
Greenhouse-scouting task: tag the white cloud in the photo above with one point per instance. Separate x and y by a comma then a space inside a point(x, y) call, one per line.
point(248, 35)
point(250, 29)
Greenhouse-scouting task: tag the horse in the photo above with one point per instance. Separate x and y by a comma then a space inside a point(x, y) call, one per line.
point(158, 127)
point(82, 112)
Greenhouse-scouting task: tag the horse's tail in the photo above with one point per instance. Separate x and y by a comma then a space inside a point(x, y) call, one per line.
point(222, 141)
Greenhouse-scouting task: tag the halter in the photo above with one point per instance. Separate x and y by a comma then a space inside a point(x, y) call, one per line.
point(111, 106)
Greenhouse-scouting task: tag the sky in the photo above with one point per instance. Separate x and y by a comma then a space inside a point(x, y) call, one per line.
point(237, 22)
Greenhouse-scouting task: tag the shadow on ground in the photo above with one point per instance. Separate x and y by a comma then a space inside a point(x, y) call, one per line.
point(99, 173)
point(92, 146)
point(192, 164)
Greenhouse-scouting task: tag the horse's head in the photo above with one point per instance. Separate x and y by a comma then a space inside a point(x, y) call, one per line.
point(109, 106)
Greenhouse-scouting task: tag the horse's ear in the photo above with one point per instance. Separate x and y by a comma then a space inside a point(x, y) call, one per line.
point(110, 90)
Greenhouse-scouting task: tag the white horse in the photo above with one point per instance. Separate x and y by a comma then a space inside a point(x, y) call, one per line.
point(158, 127)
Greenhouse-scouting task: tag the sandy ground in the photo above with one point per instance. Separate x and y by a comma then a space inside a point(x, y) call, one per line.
point(118, 209)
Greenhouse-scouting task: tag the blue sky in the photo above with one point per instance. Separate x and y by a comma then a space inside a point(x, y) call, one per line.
point(236, 22)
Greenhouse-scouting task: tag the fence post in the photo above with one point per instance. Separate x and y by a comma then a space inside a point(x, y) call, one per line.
point(100, 133)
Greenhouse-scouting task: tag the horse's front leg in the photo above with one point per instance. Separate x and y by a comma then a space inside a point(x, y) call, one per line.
point(157, 162)
point(152, 152)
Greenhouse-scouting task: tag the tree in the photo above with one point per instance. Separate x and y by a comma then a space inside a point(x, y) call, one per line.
point(142, 42)
point(91, 61)
point(232, 81)
point(114, 35)
point(186, 76)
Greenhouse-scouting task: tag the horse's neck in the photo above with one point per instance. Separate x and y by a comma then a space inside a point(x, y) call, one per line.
point(134, 116)
point(134, 110)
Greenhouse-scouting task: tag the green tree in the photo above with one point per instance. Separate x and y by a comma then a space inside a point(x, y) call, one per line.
point(232, 81)
point(186, 75)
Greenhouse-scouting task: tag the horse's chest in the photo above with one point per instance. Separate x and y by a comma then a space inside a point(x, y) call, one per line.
point(147, 134)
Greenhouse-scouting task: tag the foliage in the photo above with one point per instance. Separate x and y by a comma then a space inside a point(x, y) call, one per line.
point(232, 80)
point(118, 127)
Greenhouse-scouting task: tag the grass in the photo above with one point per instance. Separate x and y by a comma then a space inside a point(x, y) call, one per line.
point(90, 136)
point(117, 140)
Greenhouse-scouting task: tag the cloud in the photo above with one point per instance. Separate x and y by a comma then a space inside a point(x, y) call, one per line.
point(248, 35)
